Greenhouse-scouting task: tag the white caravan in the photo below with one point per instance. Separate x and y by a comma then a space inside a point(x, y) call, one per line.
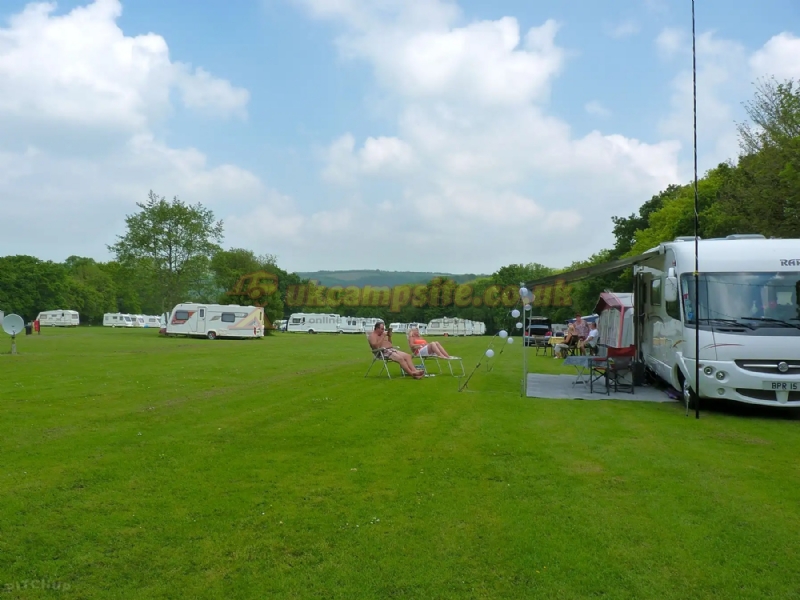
point(350, 325)
point(216, 321)
point(59, 318)
point(151, 321)
point(747, 311)
point(443, 326)
point(138, 320)
point(117, 320)
point(314, 323)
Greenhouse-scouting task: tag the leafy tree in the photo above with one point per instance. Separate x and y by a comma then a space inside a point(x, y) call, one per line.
point(172, 243)
point(774, 112)
point(29, 285)
point(91, 289)
point(241, 277)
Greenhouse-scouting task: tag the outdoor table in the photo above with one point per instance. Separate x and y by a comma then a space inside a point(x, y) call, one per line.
point(581, 364)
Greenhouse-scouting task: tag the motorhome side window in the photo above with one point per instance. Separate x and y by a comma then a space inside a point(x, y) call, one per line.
point(181, 315)
point(655, 292)
point(228, 318)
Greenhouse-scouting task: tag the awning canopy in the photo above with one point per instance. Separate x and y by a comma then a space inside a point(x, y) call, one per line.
point(613, 300)
point(591, 271)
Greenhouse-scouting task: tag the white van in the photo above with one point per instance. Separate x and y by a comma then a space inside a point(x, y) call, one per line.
point(59, 318)
point(216, 321)
point(747, 311)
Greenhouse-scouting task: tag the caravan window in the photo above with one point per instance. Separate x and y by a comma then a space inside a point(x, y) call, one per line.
point(181, 315)
point(228, 318)
point(655, 292)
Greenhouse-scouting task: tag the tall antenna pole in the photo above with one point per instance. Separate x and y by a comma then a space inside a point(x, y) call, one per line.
point(696, 229)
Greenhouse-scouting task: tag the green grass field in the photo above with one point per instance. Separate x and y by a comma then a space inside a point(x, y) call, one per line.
point(137, 466)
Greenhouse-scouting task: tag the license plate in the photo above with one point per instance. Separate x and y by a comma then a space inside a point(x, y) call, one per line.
point(782, 386)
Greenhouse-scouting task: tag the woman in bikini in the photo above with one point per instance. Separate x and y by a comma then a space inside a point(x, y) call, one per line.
point(420, 347)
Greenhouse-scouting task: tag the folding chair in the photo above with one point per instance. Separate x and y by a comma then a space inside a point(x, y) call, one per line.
point(377, 355)
point(436, 359)
point(619, 369)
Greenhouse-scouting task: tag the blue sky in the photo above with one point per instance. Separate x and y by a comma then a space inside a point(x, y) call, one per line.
point(317, 128)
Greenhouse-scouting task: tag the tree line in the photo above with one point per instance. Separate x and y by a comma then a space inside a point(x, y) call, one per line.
point(171, 251)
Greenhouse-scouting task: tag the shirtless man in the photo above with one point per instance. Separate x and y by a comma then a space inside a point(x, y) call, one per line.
point(379, 339)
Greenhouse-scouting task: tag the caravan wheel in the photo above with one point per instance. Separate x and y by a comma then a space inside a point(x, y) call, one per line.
point(211, 335)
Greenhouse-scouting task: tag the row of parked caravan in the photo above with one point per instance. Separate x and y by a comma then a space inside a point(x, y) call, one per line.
point(333, 323)
point(126, 320)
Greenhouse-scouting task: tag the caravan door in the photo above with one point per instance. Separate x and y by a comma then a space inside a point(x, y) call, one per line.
point(201, 319)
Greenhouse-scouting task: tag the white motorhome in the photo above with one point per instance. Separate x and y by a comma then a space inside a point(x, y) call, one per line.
point(59, 318)
point(314, 323)
point(747, 312)
point(117, 320)
point(216, 321)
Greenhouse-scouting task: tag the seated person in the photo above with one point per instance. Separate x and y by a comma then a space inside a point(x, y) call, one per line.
point(420, 347)
point(570, 339)
point(380, 340)
point(591, 339)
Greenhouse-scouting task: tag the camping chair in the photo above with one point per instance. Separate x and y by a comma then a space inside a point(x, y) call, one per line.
point(541, 343)
point(619, 370)
point(598, 366)
point(436, 359)
point(377, 355)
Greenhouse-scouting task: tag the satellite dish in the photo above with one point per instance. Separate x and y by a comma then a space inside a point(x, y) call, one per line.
point(12, 325)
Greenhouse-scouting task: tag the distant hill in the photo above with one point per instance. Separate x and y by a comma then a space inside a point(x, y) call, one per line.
point(380, 278)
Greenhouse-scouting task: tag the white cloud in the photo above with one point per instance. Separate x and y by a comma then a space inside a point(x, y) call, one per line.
point(671, 41)
point(780, 57)
point(488, 159)
point(82, 69)
point(595, 108)
point(623, 29)
point(723, 82)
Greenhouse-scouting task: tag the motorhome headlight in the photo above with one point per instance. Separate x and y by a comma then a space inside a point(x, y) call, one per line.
point(721, 375)
point(708, 370)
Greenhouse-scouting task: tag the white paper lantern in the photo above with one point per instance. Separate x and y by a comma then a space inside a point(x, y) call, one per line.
point(523, 292)
point(489, 353)
point(503, 333)
point(510, 340)
point(527, 307)
point(515, 313)
point(519, 325)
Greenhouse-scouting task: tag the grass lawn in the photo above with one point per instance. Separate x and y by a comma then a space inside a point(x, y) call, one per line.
point(136, 466)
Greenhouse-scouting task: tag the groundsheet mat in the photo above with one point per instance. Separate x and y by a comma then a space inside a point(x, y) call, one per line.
point(564, 387)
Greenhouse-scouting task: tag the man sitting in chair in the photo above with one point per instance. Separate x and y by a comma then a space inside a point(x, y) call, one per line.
point(591, 340)
point(424, 349)
point(380, 340)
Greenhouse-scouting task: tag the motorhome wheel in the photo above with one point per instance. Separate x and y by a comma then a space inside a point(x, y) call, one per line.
point(211, 335)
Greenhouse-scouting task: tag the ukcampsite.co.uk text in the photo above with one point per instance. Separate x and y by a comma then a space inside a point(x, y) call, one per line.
point(258, 286)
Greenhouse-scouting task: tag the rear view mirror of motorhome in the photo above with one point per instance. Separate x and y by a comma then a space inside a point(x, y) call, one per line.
point(670, 289)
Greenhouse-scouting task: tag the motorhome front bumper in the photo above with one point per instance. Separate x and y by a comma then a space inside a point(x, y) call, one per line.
point(738, 380)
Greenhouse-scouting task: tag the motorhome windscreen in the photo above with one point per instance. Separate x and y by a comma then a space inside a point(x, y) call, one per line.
point(751, 301)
